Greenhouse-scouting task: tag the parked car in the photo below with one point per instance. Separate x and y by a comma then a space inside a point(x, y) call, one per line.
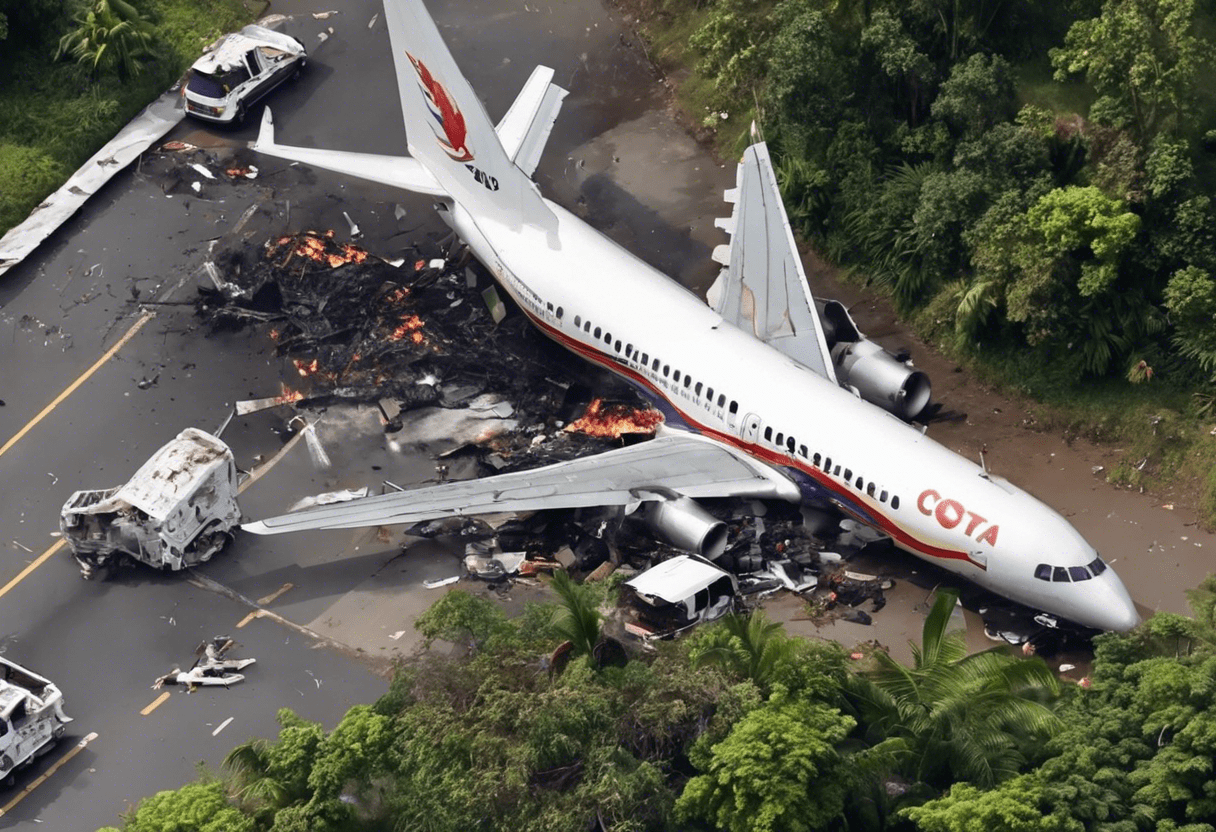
point(238, 70)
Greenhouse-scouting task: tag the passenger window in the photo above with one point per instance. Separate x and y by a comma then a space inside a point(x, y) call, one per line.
point(607, 337)
point(860, 483)
point(1097, 566)
point(1059, 574)
point(789, 444)
point(848, 474)
point(836, 471)
point(734, 407)
point(617, 346)
point(768, 434)
point(895, 502)
point(780, 439)
point(882, 496)
point(666, 370)
point(1079, 573)
point(645, 359)
point(1043, 572)
point(697, 389)
point(578, 321)
point(687, 381)
point(802, 451)
point(675, 376)
point(815, 460)
point(629, 350)
point(827, 465)
point(870, 490)
point(559, 313)
point(721, 399)
point(656, 365)
point(549, 306)
point(598, 332)
point(586, 326)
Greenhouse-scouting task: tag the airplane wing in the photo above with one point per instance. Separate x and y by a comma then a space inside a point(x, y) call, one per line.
point(763, 289)
point(673, 464)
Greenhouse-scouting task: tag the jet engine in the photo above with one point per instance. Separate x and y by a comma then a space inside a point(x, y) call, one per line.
point(878, 377)
point(685, 525)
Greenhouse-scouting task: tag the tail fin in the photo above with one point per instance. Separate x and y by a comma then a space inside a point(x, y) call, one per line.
point(449, 131)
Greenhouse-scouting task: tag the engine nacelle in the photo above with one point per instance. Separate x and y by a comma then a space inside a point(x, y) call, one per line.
point(685, 525)
point(880, 379)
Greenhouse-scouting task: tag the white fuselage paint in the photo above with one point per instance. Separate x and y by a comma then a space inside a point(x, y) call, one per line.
point(937, 506)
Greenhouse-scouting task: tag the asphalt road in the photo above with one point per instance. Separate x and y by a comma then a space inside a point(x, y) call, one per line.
point(73, 418)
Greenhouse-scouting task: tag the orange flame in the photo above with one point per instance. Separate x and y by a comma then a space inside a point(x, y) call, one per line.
point(320, 248)
point(613, 420)
point(409, 325)
point(306, 368)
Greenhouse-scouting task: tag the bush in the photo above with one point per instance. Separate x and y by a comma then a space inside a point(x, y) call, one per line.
point(27, 175)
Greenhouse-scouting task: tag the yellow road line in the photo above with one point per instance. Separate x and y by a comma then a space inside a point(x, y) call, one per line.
point(156, 703)
point(256, 614)
point(71, 388)
point(272, 596)
point(42, 778)
point(34, 564)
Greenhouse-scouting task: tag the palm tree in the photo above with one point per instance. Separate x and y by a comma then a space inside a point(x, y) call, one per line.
point(110, 33)
point(951, 716)
point(578, 618)
point(749, 647)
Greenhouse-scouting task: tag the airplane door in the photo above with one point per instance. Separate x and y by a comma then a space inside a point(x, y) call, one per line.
point(750, 429)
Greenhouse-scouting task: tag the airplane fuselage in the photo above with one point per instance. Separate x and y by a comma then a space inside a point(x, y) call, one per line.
point(707, 376)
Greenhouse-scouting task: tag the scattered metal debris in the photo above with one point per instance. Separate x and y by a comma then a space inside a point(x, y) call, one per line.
point(178, 509)
point(210, 668)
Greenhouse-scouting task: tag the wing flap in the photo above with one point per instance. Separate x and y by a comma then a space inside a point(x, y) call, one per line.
point(763, 289)
point(677, 463)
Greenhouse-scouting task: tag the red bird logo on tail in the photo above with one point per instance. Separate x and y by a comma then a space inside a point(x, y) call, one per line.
point(443, 108)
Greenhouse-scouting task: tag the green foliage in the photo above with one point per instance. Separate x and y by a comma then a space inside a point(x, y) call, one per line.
point(1143, 57)
point(1190, 298)
point(977, 96)
point(951, 716)
point(27, 176)
point(577, 619)
point(196, 807)
point(907, 70)
point(110, 35)
point(779, 769)
point(1014, 806)
point(461, 618)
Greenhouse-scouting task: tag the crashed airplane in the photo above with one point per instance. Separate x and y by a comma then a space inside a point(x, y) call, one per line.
point(766, 392)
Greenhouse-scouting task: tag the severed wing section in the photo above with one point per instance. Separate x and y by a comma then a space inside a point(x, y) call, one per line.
point(763, 289)
point(673, 464)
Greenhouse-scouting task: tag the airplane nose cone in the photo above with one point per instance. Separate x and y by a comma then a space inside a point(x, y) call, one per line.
point(1111, 608)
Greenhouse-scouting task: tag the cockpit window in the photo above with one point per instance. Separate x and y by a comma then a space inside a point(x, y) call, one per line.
point(1059, 573)
point(1043, 572)
point(1097, 566)
point(1079, 573)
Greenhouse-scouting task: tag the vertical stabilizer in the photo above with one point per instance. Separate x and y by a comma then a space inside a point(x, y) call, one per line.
point(449, 131)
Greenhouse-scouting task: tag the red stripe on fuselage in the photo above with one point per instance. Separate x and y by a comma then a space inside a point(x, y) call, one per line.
point(885, 524)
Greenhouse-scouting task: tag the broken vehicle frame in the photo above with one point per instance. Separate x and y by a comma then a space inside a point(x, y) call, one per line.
point(31, 717)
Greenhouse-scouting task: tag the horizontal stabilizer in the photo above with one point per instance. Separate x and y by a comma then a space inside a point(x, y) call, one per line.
point(525, 128)
point(394, 171)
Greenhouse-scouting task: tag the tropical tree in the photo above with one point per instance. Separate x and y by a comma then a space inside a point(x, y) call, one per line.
point(747, 647)
point(109, 34)
point(953, 716)
point(578, 618)
point(265, 776)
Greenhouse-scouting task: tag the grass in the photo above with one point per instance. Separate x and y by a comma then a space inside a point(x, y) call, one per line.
point(54, 116)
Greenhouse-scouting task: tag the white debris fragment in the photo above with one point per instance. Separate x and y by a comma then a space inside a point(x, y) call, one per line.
point(1064, 668)
point(397, 635)
point(354, 227)
point(222, 726)
point(329, 498)
point(438, 582)
point(197, 187)
point(325, 15)
point(398, 211)
point(437, 263)
point(320, 459)
point(322, 37)
point(372, 22)
point(396, 263)
point(202, 169)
